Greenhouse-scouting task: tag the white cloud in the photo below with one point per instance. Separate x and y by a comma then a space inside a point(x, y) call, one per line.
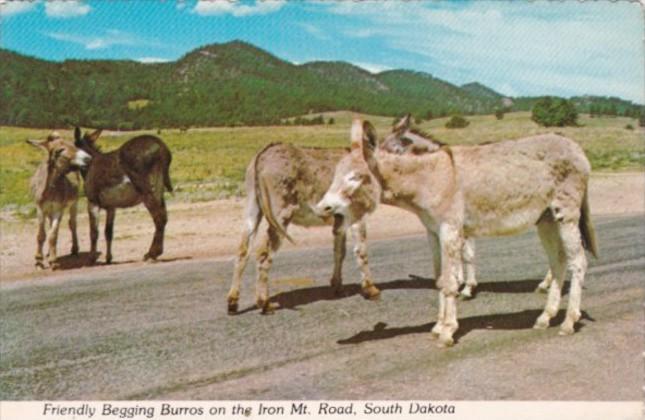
point(11, 8)
point(111, 38)
point(237, 8)
point(567, 48)
point(66, 8)
point(148, 60)
point(314, 31)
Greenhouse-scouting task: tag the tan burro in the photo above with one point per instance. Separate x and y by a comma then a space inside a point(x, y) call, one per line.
point(283, 183)
point(469, 191)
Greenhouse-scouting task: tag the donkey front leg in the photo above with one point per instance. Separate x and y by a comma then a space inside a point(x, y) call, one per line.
point(42, 235)
point(340, 249)
point(468, 255)
point(157, 208)
point(451, 271)
point(359, 234)
point(73, 211)
point(93, 213)
point(109, 233)
point(55, 218)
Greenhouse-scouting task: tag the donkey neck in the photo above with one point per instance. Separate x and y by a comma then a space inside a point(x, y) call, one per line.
point(425, 184)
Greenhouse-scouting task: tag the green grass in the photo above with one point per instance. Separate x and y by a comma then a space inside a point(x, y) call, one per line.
point(210, 163)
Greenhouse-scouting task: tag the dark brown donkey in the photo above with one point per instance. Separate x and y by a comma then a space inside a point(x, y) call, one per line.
point(137, 172)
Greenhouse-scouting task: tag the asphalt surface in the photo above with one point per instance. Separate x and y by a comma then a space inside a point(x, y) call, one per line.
point(161, 331)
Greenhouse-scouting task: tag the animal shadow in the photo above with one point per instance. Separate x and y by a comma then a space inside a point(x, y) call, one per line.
point(292, 299)
point(71, 262)
point(512, 321)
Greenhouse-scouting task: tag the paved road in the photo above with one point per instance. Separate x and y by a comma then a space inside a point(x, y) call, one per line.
point(161, 330)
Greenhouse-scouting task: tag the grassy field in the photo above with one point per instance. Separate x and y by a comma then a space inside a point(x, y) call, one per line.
point(209, 163)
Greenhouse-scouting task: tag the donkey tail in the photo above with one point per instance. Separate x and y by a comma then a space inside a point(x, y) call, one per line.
point(166, 159)
point(586, 228)
point(262, 196)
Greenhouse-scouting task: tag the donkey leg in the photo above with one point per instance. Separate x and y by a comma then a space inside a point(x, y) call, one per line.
point(340, 249)
point(109, 234)
point(359, 234)
point(468, 255)
point(53, 238)
point(157, 208)
point(544, 285)
point(451, 270)
point(269, 245)
point(548, 233)
point(42, 235)
point(73, 212)
point(93, 213)
point(253, 217)
point(577, 264)
point(436, 253)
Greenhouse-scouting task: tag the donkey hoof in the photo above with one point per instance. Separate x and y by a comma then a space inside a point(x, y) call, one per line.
point(371, 293)
point(566, 329)
point(541, 289)
point(268, 308)
point(541, 324)
point(232, 308)
point(40, 265)
point(445, 342)
point(54, 265)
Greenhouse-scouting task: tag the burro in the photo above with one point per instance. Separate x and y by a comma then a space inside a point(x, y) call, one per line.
point(461, 192)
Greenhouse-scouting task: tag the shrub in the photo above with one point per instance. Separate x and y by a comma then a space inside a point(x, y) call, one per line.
point(457, 121)
point(554, 112)
point(499, 114)
point(629, 127)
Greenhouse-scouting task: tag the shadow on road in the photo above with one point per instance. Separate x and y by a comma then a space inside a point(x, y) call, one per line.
point(305, 296)
point(84, 259)
point(512, 321)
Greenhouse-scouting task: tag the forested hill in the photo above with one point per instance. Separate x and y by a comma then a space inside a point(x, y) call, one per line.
point(221, 84)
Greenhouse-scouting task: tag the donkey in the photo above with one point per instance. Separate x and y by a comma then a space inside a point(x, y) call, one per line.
point(53, 194)
point(137, 172)
point(470, 191)
point(283, 182)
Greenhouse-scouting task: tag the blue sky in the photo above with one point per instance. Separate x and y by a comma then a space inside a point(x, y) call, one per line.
point(517, 48)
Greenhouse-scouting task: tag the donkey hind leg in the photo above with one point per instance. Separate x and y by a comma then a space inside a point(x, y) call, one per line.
point(42, 236)
point(340, 249)
point(468, 255)
point(548, 233)
point(436, 254)
point(93, 213)
point(544, 285)
point(577, 265)
point(359, 234)
point(73, 212)
point(269, 245)
point(55, 218)
point(156, 206)
point(109, 233)
point(253, 217)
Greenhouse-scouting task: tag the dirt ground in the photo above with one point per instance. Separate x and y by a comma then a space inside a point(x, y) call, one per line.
point(212, 229)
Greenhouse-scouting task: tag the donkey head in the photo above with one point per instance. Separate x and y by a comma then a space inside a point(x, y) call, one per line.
point(61, 156)
point(86, 147)
point(355, 190)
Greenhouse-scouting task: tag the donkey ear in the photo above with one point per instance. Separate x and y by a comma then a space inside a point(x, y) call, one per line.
point(93, 137)
point(403, 124)
point(41, 144)
point(77, 133)
point(356, 135)
point(369, 135)
point(368, 146)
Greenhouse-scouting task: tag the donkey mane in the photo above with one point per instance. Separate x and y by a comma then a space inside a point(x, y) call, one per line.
point(426, 135)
